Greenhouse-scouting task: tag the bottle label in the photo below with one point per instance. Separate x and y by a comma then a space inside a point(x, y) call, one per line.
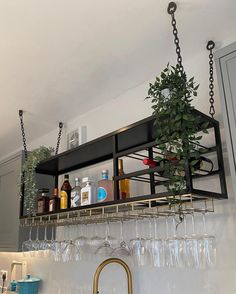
point(75, 197)
point(40, 206)
point(85, 198)
point(102, 194)
point(64, 200)
point(51, 205)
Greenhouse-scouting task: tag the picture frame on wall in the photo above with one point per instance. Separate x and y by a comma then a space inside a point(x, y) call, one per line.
point(76, 137)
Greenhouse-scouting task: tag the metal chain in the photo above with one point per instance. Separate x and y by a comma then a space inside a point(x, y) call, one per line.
point(23, 133)
point(59, 137)
point(210, 46)
point(171, 10)
point(24, 137)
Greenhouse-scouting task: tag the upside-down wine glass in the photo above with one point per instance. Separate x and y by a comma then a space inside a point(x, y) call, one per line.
point(157, 249)
point(123, 249)
point(27, 245)
point(106, 247)
point(138, 249)
point(209, 245)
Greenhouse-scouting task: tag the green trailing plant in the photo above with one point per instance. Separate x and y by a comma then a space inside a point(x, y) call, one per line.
point(176, 126)
point(28, 178)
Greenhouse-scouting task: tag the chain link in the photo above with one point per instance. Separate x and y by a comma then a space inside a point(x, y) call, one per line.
point(210, 46)
point(59, 137)
point(23, 133)
point(171, 10)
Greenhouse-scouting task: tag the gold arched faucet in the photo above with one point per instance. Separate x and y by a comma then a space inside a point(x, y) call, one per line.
point(105, 263)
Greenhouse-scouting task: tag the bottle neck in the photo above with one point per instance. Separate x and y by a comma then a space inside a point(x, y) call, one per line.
point(120, 166)
point(88, 184)
point(76, 183)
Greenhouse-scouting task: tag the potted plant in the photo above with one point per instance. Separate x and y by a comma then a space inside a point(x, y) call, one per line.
point(28, 179)
point(176, 127)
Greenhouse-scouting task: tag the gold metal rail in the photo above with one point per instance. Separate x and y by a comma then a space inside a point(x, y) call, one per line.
point(156, 207)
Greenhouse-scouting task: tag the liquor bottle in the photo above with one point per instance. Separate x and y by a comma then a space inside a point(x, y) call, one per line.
point(88, 193)
point(76, 194)
point(105, 188)
point(202, 165)
point(151, 163)
point(54, 202)
point(65, 193)
point(43, 201)
point(124, 185)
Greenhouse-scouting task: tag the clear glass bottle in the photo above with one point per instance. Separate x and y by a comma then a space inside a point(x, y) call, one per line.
point(124, 185)
point(105, 188)
point(65, 193)
point(75, 200)
point(88, 193)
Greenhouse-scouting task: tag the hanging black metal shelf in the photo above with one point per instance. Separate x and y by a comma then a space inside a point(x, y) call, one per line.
point(128, 142)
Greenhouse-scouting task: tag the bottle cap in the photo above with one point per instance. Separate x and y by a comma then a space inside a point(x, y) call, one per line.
point(43, 190)
point(77, 179)
point(105, 171)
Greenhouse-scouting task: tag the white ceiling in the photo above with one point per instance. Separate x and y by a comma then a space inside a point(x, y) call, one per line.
point(59, 59)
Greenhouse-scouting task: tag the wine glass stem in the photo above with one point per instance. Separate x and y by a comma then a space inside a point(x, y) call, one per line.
point(107, 231)
point(174, 226)
point(204, 223)
point(155, 227)
point(193, 224)
point(30, 231)
point(185, 226)
point(121, 232)
point(167, 228)
point(150, 228)
point(136, 228)
point(52, 234)
point(45, 233)
point(37, 234)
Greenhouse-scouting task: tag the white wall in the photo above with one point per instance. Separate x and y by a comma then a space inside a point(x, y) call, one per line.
point(119, 112)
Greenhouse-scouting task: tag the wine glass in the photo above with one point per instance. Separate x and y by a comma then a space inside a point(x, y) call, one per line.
point(138, 249)
point(193, 244)
point(82, 241)
point(175, 244)
point(71, 251)
point(95, 240)
point(44, 244)
point(106, 248)
point(156, 249)
point(123, 249)
point(167, 245)
point(60, 246)
point(27, 245)
point(209, 245)
point(35, 243)
point(51, 243)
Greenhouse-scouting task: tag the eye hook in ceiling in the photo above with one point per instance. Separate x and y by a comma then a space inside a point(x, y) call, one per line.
point(172, 7)
point(210, 45)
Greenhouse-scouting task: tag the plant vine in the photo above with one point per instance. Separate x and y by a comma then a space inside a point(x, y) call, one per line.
point(176, 126)
point(28, 178)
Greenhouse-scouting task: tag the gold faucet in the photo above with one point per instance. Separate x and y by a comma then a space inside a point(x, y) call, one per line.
point(106, 262)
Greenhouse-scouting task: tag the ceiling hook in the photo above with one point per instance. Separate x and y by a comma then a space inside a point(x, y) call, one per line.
point(210, 45)
point(172, 8)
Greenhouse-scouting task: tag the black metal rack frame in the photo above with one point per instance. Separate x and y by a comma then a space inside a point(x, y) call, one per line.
point(128, 142)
